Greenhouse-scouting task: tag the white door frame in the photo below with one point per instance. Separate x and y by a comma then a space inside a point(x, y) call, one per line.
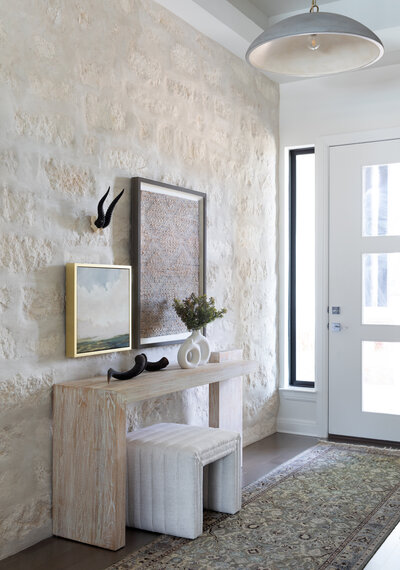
point(322, 148)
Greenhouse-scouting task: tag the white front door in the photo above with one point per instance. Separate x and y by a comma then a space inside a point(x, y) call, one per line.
point(364, 290)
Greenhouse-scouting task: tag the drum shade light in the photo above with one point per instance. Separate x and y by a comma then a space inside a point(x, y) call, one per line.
point(314, 44)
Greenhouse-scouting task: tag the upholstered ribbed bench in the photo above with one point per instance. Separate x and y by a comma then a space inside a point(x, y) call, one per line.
point(165, 477)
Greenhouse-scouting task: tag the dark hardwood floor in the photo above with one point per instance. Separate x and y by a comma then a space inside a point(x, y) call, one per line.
point(258, 459)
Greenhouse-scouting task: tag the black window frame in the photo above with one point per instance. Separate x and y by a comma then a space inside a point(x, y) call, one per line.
point(293, 154)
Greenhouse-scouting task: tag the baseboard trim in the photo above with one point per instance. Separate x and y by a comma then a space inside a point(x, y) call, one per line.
point(297, 427)
point(363, 441)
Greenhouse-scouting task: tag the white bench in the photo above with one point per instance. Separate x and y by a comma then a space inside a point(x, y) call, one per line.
point(165, 477)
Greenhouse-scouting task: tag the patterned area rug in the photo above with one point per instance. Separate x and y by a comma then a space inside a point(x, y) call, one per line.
point(330, 507)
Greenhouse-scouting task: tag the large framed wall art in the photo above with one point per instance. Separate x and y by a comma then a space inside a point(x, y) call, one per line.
point(168, 258)
point(98, 309)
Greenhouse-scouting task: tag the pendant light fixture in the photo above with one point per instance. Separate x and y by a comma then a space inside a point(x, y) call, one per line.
point(313, 44)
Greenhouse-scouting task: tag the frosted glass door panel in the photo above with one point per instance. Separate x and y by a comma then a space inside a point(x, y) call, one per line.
point(381, 200)
point(380, 377)
point(381, 288)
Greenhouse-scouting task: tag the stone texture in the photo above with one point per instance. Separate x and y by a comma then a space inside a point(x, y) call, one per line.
point(39, 304)
point(17, 207)
point(57, 90)
point(94, 93)
point(104, 115)
point(50, 129)
point(146, 68)
point(23, 254)
point(7, 344)
point(70, 179)
point(124, 159)
point(5, 299)
point(24, 522)
point(22, 391)
point(184, 59)
point(93, 73)
point(43, 48)
point(52, 345)
point(9, 160)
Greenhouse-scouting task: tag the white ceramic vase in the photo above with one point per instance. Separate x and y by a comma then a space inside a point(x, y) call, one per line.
point(195, 351)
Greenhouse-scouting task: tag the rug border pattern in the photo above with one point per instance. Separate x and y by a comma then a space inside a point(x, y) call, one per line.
point(165, 545)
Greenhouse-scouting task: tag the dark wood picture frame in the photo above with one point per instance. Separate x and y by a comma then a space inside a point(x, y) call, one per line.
point(138, 185)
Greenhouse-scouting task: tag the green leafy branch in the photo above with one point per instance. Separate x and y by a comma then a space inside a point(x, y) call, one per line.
point(197, 312)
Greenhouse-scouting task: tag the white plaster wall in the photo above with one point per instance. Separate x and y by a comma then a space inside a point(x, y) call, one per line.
point(92, 93)
point(358, 102)
point(364, 100)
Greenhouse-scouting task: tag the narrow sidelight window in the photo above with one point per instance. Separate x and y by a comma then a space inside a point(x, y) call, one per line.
point(302, 268)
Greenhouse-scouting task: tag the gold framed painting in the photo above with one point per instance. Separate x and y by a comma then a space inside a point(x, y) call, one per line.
point(98, 309)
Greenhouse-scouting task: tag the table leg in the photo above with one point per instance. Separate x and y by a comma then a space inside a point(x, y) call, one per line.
point(89, 466)
point(226, 405)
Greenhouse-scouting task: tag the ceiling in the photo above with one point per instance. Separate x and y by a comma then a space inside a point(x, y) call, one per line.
point(276, 7)
point(236, 23)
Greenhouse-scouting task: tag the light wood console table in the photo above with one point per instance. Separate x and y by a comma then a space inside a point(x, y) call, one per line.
point(89, 442)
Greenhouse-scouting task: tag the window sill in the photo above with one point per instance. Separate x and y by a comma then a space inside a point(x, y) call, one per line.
point(298, 394)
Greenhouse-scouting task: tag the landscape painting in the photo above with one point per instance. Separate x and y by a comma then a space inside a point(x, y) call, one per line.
point(100, 319)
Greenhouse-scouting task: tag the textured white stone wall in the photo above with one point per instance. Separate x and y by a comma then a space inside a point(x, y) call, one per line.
point(93, 92)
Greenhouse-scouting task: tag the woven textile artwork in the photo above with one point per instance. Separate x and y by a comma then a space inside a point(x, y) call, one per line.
point(170, 260)
point(329, 508)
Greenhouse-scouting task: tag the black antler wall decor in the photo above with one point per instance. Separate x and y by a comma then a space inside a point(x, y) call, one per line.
point(103, 220)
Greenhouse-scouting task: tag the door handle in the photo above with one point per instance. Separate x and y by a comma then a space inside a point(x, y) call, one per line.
point(336, 327)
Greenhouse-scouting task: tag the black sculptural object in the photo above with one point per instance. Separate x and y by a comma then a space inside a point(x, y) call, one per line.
point(103, 220)
point(154, 366)
point(141, 364)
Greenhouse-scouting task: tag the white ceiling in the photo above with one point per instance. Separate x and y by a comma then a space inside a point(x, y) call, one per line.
point(236, 23)
point(276, 7)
